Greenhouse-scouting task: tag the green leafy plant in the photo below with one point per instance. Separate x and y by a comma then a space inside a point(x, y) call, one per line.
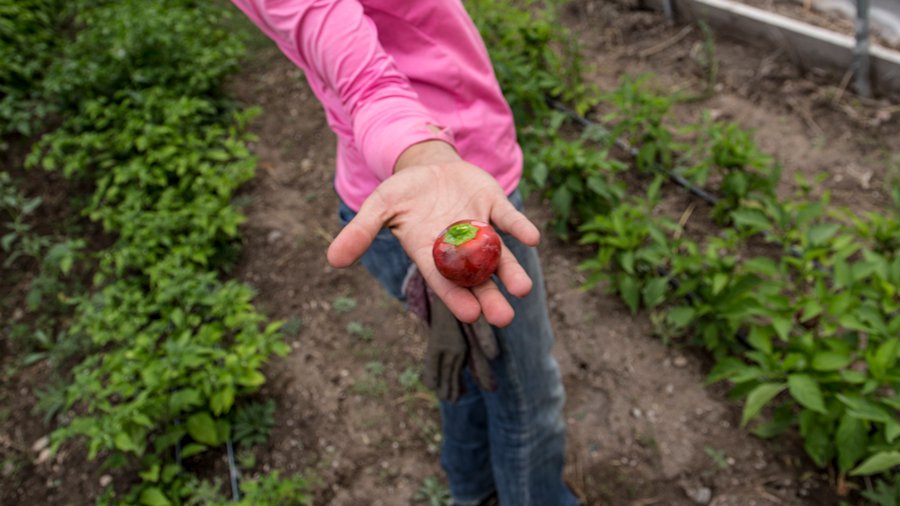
point(175, 344)
point(273, 490)
point(31, 33)
point(638, 116)
point(253, 422)
point(884, 493)
point(17, 239)
point(796, 301)
point(433, 492)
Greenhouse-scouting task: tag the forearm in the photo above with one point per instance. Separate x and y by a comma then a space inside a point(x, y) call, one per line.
point(337, 45)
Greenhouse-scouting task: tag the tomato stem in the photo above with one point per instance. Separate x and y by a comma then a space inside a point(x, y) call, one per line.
point(460, 233)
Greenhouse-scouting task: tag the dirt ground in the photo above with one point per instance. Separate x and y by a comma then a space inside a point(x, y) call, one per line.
point(642, 427)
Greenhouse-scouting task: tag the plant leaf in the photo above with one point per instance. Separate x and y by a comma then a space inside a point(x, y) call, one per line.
point(153, 496)
point(830, 361)
point(202, 428)
point(806, 391)
point(758, 398)
point(851, 441)
point(880, 462)
point(631, 294)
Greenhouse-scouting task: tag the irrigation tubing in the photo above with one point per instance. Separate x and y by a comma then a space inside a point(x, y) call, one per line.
point(631, 150)
point(232, 471)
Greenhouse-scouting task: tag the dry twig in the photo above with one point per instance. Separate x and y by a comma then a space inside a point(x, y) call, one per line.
point(650, 51)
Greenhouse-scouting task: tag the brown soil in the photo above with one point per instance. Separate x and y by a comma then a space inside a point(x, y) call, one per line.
point(642, 427)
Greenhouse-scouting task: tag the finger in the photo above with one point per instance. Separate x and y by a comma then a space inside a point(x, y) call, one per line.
point(354, 239)
point(510, 220)
point(494, 305)
point(461, 301)
point(512, 274)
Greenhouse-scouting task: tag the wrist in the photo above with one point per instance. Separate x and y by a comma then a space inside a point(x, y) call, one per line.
point(427, 152)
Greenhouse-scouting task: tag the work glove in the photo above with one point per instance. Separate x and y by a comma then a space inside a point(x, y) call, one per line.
point(452, 345)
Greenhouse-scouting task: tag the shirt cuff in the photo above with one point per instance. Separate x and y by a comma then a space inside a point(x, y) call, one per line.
point(383, 138)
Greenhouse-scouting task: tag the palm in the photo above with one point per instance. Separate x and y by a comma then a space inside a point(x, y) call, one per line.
point(417, 204)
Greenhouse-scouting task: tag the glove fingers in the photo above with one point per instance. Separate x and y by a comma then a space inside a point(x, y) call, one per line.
point(433, 368)
point(446, 353)
point(443, 376)
point(452, 385)
point(484, 337)
point(479, 365)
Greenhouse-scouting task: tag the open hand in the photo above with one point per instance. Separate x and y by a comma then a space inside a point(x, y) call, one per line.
point(419, 201)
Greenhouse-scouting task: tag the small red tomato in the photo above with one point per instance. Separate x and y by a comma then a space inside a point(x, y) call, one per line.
point(467, 252)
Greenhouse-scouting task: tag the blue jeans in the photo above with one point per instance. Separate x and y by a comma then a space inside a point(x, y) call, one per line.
point(511, 441)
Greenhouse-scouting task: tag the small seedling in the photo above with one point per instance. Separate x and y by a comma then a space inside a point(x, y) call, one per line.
point(344, 304)
point(292, 326)
point(246, 459)
point(433, 492)
point(410, 379)
point(717, 456)
point(360, 330)
point(375, 368)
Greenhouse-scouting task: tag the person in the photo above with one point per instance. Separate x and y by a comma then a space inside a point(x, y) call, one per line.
point(425, 138)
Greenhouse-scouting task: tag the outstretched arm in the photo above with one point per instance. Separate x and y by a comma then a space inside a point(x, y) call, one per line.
point(431, 188)
point(337, 46)
point(425, 184)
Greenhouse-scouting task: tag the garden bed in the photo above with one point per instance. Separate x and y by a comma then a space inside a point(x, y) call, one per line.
point(643, 429)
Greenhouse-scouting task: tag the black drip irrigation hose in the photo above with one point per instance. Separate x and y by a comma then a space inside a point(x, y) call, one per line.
point(631, 150)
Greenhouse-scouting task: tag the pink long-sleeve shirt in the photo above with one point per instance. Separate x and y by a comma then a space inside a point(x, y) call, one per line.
point(386, 70)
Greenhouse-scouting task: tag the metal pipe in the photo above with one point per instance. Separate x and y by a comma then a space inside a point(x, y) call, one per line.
point(861, 49)
point(669, 10)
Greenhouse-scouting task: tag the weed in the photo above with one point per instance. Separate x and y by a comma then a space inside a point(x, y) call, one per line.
point(292, 326)
point(717, 456)
point(360, 330)
point(410, 379)
point(884, 493)
point(344, 304)
point(253, 422)
point(51, 400)
point(375, 368)
point(433, 492)
point(246, 459)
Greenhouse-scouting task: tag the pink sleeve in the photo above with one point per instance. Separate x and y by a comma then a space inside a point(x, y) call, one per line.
point(337, 44)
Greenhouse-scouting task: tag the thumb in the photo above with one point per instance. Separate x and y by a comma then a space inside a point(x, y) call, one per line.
point(354, 239)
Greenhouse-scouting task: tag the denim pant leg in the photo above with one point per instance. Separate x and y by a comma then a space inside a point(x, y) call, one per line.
point(526, 426)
